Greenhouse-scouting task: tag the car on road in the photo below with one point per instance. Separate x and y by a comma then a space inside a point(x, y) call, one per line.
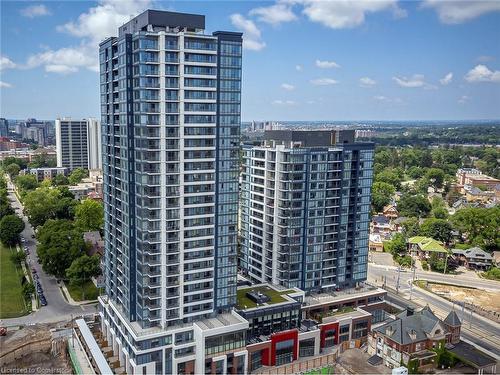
point(22, 239)
point(33, 270)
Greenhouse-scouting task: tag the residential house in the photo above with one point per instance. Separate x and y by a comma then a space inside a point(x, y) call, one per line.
point(375, 243)
point(390, 211)
point(412, 336)
point(474, 258)
point(380, 225)
point(496, 258)
point(423, 247)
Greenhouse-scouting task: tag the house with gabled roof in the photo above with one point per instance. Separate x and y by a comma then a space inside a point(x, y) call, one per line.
point(474, 258)
point(412, 336)
point(423, 247)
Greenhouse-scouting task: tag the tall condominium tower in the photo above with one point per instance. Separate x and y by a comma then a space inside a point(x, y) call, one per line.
point(170, 99)
point(71, 143)
point(305, 202)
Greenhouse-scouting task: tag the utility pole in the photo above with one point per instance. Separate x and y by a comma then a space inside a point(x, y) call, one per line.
point(445, 262)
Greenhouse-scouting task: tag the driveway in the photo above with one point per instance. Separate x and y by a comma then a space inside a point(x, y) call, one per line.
point(57, 308)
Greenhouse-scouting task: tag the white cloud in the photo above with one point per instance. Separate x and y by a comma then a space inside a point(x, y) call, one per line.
point(65, 60)
point(92, 26)
point(298, 68)
point(61, 69)
point(5, 85)
point(103, 20)
point(284, 102)
point(326, 64)
point(367, 82)
point(323, 81)
point(274, 14)
point(382, 98)
point(346, 13)
point(453, 12)
point(446, 79)
point(251, 33)
point(35, 11)
point(485, 58)
point(481, 73)
point(415, 81)
point(463, 99)
point(6, 63)
point(287, 86)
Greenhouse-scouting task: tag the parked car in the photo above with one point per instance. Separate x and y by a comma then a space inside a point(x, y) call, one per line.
point(33, 270)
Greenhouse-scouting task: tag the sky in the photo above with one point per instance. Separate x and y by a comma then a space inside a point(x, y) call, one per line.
point(303, 59)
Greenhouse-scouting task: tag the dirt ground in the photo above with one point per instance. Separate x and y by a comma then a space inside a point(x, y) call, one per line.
point(355, 362)
point(485, 299)
point(39, 362)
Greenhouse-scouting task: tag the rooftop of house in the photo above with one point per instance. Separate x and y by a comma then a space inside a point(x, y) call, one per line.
point(427, 244)
point(268, 294)
point(473, 252)
point(415, 326)
point(380, 220)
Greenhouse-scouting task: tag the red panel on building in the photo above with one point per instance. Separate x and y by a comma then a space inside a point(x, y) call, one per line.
point(327, 327)
point(284, 336)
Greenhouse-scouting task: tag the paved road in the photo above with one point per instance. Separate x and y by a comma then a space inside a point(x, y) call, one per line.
point(381, 271)
point(57, 309)
point(475, 328)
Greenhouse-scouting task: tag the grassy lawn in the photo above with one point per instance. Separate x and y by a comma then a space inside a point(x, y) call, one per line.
point(323, 371)
point(85, 292)
point(11, 298)
point(276, 296)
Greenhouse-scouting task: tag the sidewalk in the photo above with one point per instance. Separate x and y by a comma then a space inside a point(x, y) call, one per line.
point(34, 303)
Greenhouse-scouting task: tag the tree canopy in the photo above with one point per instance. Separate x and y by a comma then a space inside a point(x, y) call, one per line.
point(77, 176)
point(414, 205)
point(10, 228)
point(89, 215)
point(83, 268)
point(60, 244)
point(382, 193)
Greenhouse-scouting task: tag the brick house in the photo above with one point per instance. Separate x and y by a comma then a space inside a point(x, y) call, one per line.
point(412, 336)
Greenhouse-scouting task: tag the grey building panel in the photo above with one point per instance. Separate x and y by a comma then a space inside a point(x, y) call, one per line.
point(162, 19)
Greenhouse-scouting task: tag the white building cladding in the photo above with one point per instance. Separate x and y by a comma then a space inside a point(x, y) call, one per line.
point(170, 104)
point(94, 142)
point(305, 203)
point(71, 143)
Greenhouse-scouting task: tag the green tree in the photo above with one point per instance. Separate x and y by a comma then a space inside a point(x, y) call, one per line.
point(5, 208)
point(89, 215)
point(10, 228)
point(389, 176)
point(60, 243)
point(77, 176)
point(12, 170)
point(83, 269)
point(26, 183)
point(479, 225)
point(439, 229)
point(397, 246)
point(415, 172)
point(411, 227)
point(28, 290)
point(18, 257)
point(12, 160)
point(440, 213)
point(414, 206)
point(435, 176)
point(60, 180)
point(40, 205)
point(65, 208)
point(382, 193)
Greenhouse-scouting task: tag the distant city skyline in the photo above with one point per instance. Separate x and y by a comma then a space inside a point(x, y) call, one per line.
point(304, 60)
